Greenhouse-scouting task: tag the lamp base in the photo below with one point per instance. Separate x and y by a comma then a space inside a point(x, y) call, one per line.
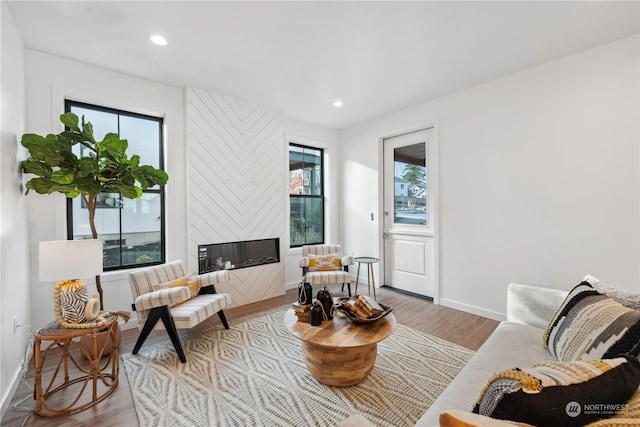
point(70, 301)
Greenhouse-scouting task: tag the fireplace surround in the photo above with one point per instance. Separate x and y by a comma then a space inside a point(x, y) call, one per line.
point(236, 255)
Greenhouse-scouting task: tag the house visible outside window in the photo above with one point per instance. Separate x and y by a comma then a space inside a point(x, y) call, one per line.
point(132, 229)
point(306, 195)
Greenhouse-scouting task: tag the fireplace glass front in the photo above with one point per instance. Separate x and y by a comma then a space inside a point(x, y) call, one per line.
point(235, 255)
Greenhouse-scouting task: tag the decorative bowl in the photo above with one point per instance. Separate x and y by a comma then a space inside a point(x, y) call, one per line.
point(357, 319)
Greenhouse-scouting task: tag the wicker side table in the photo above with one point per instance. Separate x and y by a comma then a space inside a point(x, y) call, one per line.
point(76, 369)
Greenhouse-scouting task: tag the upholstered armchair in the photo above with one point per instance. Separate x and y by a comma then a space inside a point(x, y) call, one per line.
point(325, 263)
point(165, 292)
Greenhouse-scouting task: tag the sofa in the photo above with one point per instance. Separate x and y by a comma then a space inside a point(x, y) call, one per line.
point(516, 342)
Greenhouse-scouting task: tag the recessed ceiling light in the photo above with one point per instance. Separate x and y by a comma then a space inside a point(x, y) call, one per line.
point(337, 103)
point(158, 39)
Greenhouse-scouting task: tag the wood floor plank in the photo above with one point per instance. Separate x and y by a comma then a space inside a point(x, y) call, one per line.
point(462, 328)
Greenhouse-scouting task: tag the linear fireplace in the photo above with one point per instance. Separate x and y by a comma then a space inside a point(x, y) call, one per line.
point(235, 255)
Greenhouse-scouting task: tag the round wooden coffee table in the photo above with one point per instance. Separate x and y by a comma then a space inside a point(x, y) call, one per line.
point(340, 353)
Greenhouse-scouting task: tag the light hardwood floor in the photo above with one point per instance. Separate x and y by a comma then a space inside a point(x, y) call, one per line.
point(462, 328)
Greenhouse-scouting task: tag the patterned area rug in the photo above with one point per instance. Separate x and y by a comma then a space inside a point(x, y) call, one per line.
point(253, 374)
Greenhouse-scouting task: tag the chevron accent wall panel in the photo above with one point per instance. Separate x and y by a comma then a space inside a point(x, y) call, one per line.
point(236, 181)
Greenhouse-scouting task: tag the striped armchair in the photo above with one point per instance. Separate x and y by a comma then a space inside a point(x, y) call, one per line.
point(174, 305)
point(325, 263)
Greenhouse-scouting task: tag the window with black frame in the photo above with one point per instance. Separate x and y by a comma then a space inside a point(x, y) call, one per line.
point(132, 229)
point(306, 195)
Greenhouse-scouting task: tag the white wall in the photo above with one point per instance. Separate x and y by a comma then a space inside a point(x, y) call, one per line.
point(14, 266)
point(49, 80)
point(539, 178)
point(236, 186)
point(327, 139)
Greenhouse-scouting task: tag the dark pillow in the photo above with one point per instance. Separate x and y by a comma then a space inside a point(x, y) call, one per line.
point(561, 393)
point(589, 325)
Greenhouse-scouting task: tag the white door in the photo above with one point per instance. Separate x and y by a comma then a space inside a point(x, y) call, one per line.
point(410, 174)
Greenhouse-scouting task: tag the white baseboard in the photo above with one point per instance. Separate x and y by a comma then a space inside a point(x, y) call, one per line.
point(131, 324)
point(17, 377)
point(6, 399)
point(473, 309)
point(291, 285)
point(294, 285)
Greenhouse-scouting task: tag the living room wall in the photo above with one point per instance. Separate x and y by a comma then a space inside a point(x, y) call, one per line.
point(236, 176)
point(327, 139)
point(51, 79)
point(539, 178)
point(14, 264)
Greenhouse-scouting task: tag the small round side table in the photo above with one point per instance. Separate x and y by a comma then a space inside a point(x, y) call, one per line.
point(369, 261)
point(93, 372)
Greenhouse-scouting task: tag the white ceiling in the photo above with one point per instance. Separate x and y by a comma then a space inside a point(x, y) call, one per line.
point(299, 57)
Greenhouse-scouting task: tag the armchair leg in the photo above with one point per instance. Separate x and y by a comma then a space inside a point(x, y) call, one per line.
point(223, 319)
point(348, 288)
point(161, 313)
point(346, 268)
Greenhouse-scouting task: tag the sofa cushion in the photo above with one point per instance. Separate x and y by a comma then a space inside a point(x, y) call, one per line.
point(511, 344)
point(589, 325)
point(561, 393)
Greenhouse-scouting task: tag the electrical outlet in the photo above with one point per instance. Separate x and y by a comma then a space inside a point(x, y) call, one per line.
point(15, 324)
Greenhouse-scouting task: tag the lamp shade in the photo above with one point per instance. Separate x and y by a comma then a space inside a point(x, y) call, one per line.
point(70, 259)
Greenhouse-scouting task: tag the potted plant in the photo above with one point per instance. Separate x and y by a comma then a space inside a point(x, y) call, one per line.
point(107, 168)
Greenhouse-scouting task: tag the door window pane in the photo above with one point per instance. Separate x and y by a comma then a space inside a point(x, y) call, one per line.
point(410, 188)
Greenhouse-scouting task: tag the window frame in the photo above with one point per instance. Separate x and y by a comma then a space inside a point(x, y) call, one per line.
point(68, 104)
point(321, 196)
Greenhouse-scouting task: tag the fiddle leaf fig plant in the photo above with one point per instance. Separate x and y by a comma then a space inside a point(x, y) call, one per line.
point(105, 167)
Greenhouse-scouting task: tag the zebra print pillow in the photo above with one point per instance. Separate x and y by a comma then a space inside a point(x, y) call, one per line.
point(589, 325)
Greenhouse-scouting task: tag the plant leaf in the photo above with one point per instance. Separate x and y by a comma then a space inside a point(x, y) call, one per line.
point(70, 120)
point(63, 176)
point(134, 162)
point(115, 146)
point(35, 167)
point(43, 185)
point(87, 131)
point(87, 166)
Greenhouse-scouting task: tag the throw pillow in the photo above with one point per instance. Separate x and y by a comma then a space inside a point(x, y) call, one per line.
point(627, 298)
point(188, 281)
point(561, 393)
point(329, 262)
point(589, 325)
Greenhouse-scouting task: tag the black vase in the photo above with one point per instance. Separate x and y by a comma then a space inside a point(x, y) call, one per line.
point(324, 298)
point(315, 317)
point(305, 293)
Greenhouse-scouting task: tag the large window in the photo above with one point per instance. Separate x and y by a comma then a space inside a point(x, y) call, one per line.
point(306, 195)
point(132, 229)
